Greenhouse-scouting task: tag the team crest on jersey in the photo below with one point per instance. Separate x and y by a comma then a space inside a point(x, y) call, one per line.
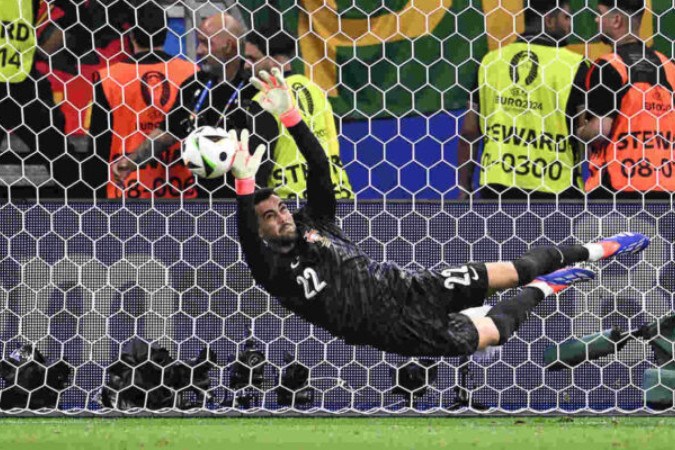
point(313, 237)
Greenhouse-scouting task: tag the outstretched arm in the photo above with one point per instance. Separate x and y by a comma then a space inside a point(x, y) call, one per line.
point(265, 130)
point(277, 100)
point(244, 168)
point(264, 263)
point(320, 195)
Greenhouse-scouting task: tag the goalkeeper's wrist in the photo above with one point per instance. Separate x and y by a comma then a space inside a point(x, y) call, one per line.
point(291, 117)
point(244, 186)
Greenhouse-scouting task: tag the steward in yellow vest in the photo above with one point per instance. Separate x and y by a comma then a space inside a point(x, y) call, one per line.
point(527, 96)
point(18, 40)
point(286, 169)
point(32, 126)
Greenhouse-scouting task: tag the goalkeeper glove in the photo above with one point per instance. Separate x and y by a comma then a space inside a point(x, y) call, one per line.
point(245, 165)
point(276, 97)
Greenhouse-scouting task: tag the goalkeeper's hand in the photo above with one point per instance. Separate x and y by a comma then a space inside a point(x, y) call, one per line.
point(276, 97)
point(245, 165)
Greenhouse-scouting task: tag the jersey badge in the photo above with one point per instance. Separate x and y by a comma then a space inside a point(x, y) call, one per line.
point(313, 237)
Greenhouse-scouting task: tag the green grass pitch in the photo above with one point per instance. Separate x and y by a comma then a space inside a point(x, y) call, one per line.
point(523, 433)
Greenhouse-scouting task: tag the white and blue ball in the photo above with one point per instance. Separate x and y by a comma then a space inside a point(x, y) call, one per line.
point(208, 152)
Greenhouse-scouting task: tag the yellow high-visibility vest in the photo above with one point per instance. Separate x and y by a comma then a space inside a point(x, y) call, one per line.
point(17, 40)
point(524, 89)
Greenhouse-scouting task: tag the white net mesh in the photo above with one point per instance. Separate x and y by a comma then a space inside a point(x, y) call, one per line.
point(148, 306)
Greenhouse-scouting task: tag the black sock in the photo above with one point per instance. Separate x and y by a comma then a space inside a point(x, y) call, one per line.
point(509, 314)
point(542, 260)
point(573, 254)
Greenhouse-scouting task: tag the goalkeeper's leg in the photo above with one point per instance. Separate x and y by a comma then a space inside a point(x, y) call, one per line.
point(506, 317)
point(470, 334)
point(546, 259)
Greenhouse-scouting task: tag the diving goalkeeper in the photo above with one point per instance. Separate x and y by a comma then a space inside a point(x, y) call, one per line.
point(309, 263)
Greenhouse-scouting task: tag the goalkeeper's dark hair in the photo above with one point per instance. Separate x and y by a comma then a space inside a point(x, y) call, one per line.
point(633, 8)
point(149, 25)
point(260, 195)
point(537, 9)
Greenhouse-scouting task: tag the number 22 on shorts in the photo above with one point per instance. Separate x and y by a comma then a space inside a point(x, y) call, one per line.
point(459, 275)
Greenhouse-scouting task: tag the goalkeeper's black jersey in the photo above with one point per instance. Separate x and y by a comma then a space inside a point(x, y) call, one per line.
point(331, 282)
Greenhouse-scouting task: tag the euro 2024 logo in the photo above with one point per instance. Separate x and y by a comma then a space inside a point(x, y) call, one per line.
point(524, 70)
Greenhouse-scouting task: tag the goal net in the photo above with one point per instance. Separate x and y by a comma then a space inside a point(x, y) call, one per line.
point(148, 307)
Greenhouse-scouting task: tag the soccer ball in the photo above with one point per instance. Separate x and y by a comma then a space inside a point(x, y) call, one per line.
point(208, 152)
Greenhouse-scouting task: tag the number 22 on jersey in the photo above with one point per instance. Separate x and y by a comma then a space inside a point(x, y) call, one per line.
point(309, 280)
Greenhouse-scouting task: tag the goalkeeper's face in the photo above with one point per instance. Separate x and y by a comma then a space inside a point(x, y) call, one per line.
point(276, 222)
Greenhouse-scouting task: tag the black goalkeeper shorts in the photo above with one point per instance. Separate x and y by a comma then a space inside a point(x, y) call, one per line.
point(467, 286)
point(428, 322)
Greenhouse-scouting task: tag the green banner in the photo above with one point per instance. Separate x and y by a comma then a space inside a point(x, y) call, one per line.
point(416, 57)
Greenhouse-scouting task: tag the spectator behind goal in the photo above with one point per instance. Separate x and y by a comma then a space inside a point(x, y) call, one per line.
point(27, 109)
point(131, 101)
point(218, 95)
point(285, 170)
point(88, 46)
point(527, 96)
point(631, 121)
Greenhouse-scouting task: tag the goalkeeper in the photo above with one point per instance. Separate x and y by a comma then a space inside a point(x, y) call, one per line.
point(308, 262)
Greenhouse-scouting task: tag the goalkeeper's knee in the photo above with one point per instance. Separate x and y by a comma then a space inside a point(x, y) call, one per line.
point(542, 260)
point(509, 315)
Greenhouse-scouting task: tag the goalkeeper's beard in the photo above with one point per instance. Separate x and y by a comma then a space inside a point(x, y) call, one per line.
point(284, 242)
